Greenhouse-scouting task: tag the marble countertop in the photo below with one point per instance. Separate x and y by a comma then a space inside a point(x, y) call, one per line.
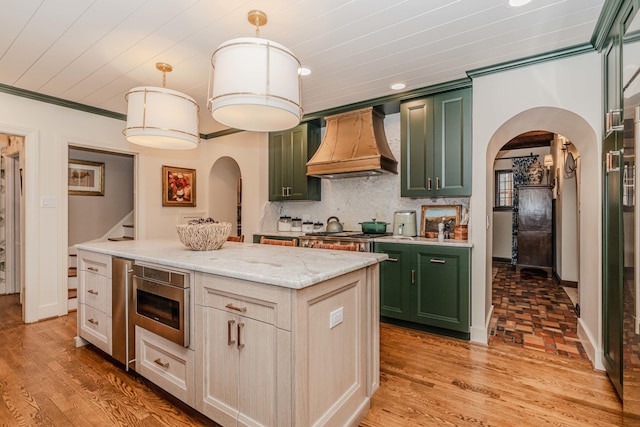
point(291, 267)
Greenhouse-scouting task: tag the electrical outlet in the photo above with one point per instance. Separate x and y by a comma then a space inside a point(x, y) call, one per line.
point(336, 317)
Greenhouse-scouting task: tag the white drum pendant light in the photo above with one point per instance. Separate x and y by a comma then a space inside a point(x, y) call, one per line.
point(256, 84)
point(160, 117)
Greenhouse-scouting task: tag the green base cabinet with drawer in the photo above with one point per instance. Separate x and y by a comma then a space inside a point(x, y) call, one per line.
point(289, 152)
point(436, 145)
point(426, 285)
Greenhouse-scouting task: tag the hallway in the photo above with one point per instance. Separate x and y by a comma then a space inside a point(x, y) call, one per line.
point(532, 311)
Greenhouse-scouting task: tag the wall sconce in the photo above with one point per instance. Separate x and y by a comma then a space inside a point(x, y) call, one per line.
point(548, 164)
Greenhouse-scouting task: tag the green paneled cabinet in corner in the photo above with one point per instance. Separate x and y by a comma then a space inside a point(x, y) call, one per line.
point(436, 145)
point(289, 152)
point(426, 284)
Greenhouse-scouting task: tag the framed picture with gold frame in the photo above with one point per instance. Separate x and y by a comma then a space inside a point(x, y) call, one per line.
point(432, 215)
point(178, 186)
point(85, 178)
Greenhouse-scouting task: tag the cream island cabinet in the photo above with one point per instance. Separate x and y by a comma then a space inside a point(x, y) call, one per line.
point(282, 336)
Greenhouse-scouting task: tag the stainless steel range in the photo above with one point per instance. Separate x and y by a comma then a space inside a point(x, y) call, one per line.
point(345, 240)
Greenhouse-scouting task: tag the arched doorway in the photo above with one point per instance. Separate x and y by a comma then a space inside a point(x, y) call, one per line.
point(583, 136)
point(535, 275)
point(225, 201)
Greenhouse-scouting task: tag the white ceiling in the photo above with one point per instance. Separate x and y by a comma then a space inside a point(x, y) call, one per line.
point(94, 51)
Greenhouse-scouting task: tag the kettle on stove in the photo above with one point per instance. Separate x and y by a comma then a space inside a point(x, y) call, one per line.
point(404, 223)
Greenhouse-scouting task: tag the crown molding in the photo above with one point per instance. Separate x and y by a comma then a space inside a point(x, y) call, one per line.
point(608, 16)
point(12, 90)
point(531, 60)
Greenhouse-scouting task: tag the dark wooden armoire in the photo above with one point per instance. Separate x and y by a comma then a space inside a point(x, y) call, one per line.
point(535, 222)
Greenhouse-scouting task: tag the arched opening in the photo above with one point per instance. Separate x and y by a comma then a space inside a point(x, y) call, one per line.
point(535, 244)
point(225, 201)
point(583, 137)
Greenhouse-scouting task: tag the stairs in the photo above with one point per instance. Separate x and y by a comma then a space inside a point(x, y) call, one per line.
point(127, 234)
point(72, 283)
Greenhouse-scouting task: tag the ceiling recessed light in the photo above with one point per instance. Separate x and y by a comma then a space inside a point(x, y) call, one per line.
point(398, 86)
point(518, 3)
point(304, 71)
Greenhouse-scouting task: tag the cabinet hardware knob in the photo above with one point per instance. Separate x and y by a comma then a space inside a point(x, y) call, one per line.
point(93, 321)
point(240, 326)
point(438, 261)
point(233, 307)
point(229, 325)
point(92, 292)
point(159, 363)
point(392, 259)
point(92, 269)
point(413, 277)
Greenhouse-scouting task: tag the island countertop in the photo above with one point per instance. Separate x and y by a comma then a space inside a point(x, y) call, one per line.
point(291, 267)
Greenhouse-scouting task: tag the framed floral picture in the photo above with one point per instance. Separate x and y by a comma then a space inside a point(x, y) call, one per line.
point(178, 186)
point(85, 178)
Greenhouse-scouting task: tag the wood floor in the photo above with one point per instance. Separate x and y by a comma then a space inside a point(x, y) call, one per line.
point(426, 380)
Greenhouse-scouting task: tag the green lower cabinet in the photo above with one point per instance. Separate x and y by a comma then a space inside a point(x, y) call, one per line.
point(426, 285)
point(394, 295)
point(442, 286)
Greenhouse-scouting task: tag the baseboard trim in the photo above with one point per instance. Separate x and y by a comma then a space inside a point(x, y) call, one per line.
point(498, 259)
point(567, 283)
point(595, 356)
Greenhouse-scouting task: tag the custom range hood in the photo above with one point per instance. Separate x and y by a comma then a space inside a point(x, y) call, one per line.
point(354, 144)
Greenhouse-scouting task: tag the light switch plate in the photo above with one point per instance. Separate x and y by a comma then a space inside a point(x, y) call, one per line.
point(48, 202)
point(336, 317)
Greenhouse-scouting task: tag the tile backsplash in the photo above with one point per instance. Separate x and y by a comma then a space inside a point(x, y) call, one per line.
point(354, 200)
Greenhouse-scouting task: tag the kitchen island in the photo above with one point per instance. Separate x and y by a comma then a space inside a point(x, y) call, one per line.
point(282, 336)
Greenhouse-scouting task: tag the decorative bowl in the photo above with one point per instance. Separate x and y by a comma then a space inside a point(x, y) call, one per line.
point(204, 237)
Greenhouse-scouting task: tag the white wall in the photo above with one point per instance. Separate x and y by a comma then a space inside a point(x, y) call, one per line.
point(564, 97)
point(90, 217)
point(50, 129)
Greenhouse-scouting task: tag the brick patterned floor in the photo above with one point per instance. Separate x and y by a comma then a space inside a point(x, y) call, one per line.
point(531, 310)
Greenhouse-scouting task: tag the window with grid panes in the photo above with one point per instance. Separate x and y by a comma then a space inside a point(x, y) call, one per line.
point(504, 189)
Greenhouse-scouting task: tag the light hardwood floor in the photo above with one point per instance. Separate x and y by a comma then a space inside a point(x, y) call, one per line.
point(426, 380)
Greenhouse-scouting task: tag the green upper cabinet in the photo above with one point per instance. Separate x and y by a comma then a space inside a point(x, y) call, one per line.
point(436, 145)
point(289, 152)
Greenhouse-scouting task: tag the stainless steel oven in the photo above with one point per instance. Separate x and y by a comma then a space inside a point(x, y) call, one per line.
point(161, 299)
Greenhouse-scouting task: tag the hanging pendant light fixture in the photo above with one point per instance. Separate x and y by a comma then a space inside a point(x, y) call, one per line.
point(256, 84)
point(160, 117)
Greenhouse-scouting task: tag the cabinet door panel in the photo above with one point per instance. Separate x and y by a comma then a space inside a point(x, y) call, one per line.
point(443, 288)
point(277, 175)
point(534, 248)
point(257, 380)
point(416, 119)
point(395, 301)
point(452, 143)
point(218, 363)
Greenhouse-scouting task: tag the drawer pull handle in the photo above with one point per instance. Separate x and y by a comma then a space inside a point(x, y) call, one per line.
point(92, 292)
point(438, 261)
point(392, 259)
point(229, 325)
point(93, 321)
point(233, 307)
point(93, 269)
point(437, 183)
point(240, 326)
point(159, 363)
point(429, 184)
